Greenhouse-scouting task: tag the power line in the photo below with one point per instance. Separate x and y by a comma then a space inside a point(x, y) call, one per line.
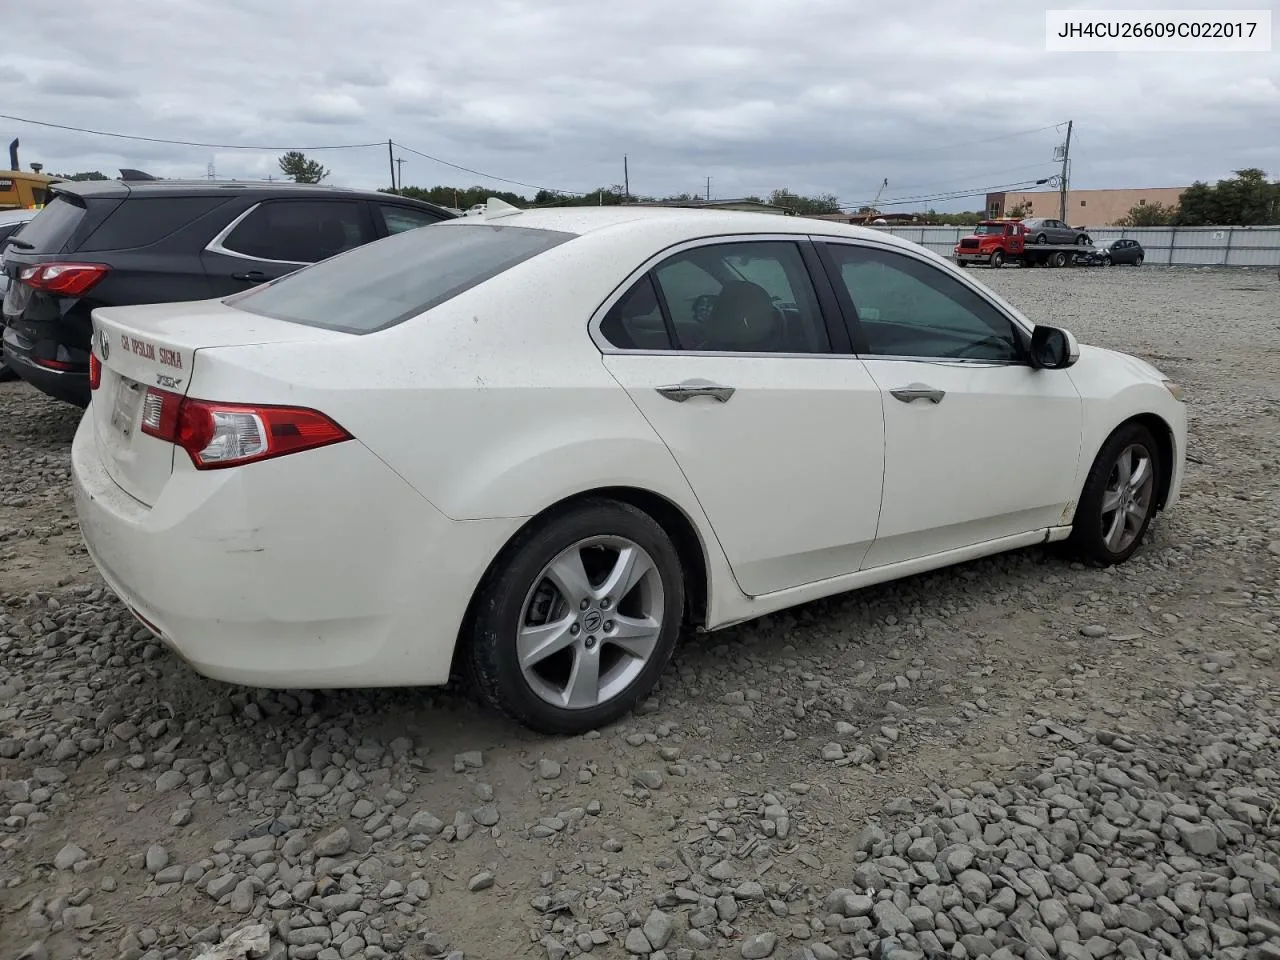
point(489, 176)
point(182, 143)
point(950, 195)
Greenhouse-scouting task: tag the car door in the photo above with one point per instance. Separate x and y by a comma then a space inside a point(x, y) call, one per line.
point(278, 236)
point(979, 445)
point(736, 357)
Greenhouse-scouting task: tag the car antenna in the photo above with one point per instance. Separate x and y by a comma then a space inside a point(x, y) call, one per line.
point(495, 208)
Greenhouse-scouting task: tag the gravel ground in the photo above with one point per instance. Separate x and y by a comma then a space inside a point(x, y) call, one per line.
point(1019, 757)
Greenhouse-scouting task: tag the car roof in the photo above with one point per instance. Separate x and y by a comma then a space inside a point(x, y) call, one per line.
point(677, 223)
point(109, 189)
point(16, 216)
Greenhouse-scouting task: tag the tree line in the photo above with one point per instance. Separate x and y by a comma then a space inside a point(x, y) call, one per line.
point(1248, 199)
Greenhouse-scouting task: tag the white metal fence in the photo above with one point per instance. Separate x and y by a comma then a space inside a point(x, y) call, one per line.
point(1169, 246)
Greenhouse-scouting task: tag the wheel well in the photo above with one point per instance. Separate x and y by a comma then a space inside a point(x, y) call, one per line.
point(670, 517)
point(1164, 440)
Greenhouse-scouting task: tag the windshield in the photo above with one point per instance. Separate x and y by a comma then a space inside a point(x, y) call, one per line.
point(380, 284)
point(991, 229)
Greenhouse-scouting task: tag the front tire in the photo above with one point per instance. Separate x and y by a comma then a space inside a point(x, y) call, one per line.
point(1118, 502)
point(997, 259)
point(578, 618)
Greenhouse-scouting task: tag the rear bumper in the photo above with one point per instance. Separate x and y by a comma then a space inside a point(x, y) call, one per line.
point(326, 572)
point(69, 386)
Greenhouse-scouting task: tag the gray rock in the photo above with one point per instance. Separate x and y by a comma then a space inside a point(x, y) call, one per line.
point(481, 881)
point(69, 856)
point(658, 928)
point(637, 943)
point(758, 946)
point(548, 769)
point(425, 823)
point(157, 858)
point(334, 843)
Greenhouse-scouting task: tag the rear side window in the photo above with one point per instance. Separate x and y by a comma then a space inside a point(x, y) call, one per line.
point(299, 231)
point(141, 221)
point(399, 219)
point(53, 226)
point(384, 283)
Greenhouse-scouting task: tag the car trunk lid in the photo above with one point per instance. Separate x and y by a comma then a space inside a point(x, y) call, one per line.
point(144, 351)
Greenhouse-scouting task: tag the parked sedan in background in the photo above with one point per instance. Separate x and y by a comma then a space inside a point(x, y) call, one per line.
point(1120, 250)
point(540, 443)
point(112, 242)
point(11, 221)
point(1044, 230)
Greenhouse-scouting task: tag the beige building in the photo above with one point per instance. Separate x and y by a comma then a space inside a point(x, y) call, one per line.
point(1085, 208)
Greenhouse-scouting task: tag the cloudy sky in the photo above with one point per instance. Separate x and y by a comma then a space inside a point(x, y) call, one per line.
point(819, 96)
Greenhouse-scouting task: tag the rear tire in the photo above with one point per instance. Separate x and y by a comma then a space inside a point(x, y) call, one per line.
point(6, 374)
point(1138, 262)
point(1118, 501)
point(528, 604)
point(1041, 238)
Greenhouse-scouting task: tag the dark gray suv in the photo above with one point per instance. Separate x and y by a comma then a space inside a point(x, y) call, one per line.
point(107, 243)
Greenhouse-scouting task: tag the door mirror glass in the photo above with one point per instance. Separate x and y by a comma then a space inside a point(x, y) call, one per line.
point(1053, 348)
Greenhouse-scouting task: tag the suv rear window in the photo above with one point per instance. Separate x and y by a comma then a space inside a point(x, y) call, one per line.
point(381, 284)
point(52, 227)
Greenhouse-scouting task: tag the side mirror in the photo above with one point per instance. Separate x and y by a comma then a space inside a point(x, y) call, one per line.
point(1053, 348)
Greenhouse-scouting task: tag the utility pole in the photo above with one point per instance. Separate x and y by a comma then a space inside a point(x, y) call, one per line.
point(391, 162)
point(1062, 186)
point(708, 189)
point(626, 181)
point(400, 171)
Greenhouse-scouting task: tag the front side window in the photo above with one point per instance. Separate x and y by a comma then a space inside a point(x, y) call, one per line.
point(299, 231)
point(745, 297)
point(908, 308)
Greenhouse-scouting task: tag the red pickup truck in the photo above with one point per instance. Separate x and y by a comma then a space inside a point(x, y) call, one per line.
point(997, 242)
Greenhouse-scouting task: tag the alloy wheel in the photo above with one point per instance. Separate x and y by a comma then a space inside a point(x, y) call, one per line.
point(1127, 497)
point(591, 622)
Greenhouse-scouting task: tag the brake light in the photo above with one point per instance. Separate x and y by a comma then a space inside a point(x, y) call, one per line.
point(95, 371)
point(219, 435)
point(64, 279)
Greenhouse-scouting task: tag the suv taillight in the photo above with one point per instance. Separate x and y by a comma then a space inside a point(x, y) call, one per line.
point(219, 435)
point(95, 371)
point(64, 279)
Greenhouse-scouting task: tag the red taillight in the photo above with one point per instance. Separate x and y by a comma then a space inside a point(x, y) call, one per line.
point(95, 371)
point(64, 279)
point(228, 435)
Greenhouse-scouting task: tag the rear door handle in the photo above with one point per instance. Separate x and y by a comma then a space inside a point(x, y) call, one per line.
point(680, 392)
point(918, 391)
point(253, 276)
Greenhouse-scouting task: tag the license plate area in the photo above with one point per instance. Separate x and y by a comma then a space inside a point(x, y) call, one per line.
point(124, 413)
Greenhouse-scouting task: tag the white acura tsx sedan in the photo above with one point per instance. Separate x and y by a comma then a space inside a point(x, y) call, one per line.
point(539, 444)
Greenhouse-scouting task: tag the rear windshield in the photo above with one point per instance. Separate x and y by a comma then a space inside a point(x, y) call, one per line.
point(383, 283)
point(53, 226)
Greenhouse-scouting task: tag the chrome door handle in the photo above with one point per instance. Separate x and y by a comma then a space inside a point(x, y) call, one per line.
point(918, 391)
point(680, 392)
